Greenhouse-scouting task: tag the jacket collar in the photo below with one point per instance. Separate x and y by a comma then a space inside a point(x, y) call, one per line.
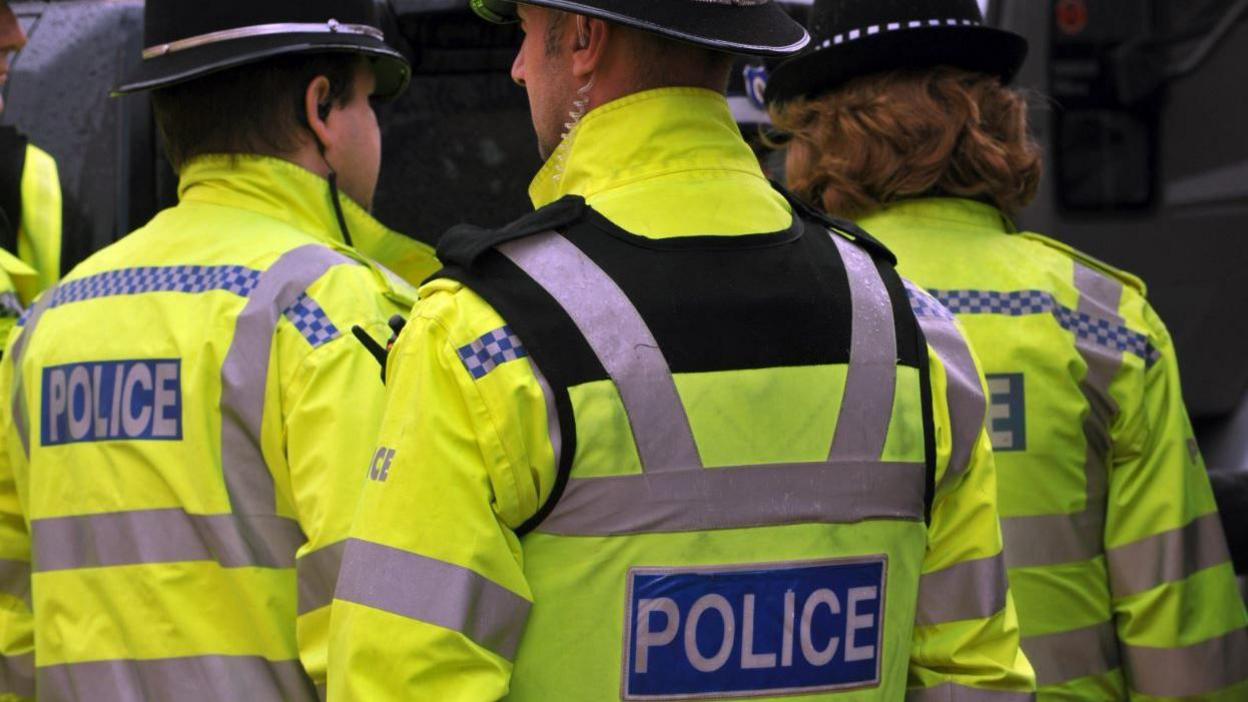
point(953, 213)
point(642, 136)
point(283, 191)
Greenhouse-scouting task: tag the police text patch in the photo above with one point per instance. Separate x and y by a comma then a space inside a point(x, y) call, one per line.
point(754, 630)
point(112, 401)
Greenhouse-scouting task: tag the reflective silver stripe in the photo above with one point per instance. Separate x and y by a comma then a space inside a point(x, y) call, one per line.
point(951, 692)
point(21, 416)
point(1051, 539)
point(244, 375)
point(164, 536)
point(192, 679)
point(1199, 669)
point(17, 675)
point(434, 592)
point(318, 576)
point(1167, 557)
point(1045, 540)
point(1069, 655)
point(15, 578)
point(968, 590)
point(770, 495)
point(260, 30)
point(968, 406)
point(621, 340)
point(867, 404)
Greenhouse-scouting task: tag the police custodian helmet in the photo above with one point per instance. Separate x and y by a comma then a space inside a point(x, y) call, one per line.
point(752, 27)
point(188, 40)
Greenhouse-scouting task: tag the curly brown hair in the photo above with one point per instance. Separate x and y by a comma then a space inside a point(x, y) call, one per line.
point(905, 134)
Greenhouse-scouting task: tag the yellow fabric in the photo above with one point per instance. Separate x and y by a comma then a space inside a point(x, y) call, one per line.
point(322, 404)
point(39, 235)
point(1156, 478)
point(473, 459)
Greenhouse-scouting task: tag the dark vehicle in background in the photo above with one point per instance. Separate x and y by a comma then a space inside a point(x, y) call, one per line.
point(1142, 110)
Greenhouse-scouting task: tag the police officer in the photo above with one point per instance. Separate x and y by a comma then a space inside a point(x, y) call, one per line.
point(671, 436)
point(188, 418)
point(901, 117)
point(30, 203)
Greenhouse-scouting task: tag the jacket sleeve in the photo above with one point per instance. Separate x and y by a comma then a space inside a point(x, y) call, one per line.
point(966, 638)
point(332, 400)
point(432, 599)
point(1177, 608)
point(17, 637)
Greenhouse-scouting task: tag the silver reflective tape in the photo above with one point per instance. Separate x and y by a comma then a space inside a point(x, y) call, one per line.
point(622, 342)
point(21, 416)
point(191, 679)
point(244, 374)
point(774, 495)
point(1099, 298)
point(1070, 655)
point(970, 590)
point(1167, 557)
point(434, 592)
point(1052, 539)
point(952, 692)
point(964, 394)
point(317, 573)
point(17, 675)
point(871, 381)
point(1186, 672)
point(15, 578)
point(261, 30)
point(164, 536)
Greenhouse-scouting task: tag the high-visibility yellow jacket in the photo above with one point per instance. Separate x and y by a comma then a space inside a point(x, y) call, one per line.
point(461, 583)
point(189, 419)
point(39, 232)
point(15, 278)
point(1116, 553)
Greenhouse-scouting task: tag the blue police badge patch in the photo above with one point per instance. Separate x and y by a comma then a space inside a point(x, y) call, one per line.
point(756, 85)
point(112, 401)
point(754, 630)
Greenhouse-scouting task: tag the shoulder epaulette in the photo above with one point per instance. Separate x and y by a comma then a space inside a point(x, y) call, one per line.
point(462, 245)
point(1118, 274)
point(845, 228)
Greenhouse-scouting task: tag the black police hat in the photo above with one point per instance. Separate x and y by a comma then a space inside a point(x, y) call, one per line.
point(756, 27)
point(854, 38)
point(188, 40)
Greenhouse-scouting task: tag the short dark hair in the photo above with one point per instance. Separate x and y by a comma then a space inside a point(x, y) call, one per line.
point(257, 108)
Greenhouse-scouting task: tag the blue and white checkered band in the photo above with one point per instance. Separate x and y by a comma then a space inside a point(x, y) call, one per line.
point(482, 356)
point(311, 321)
point(1102, 332)
point(856, 34)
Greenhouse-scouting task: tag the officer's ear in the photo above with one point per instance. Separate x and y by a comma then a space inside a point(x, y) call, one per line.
point(317, 106)
point(590, 38)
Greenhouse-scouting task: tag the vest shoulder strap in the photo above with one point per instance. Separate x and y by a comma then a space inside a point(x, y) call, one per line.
point(464, 245)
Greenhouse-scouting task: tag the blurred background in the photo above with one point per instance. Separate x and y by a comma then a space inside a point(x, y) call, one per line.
point(1141, 105)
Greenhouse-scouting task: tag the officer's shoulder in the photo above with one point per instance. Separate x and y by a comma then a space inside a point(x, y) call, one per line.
point(464, 244)
point(840, 227)
point(1092, 262)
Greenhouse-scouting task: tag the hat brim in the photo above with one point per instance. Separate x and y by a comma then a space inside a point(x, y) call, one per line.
point(824, 69)
point(756, 30)
point(392, 70)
